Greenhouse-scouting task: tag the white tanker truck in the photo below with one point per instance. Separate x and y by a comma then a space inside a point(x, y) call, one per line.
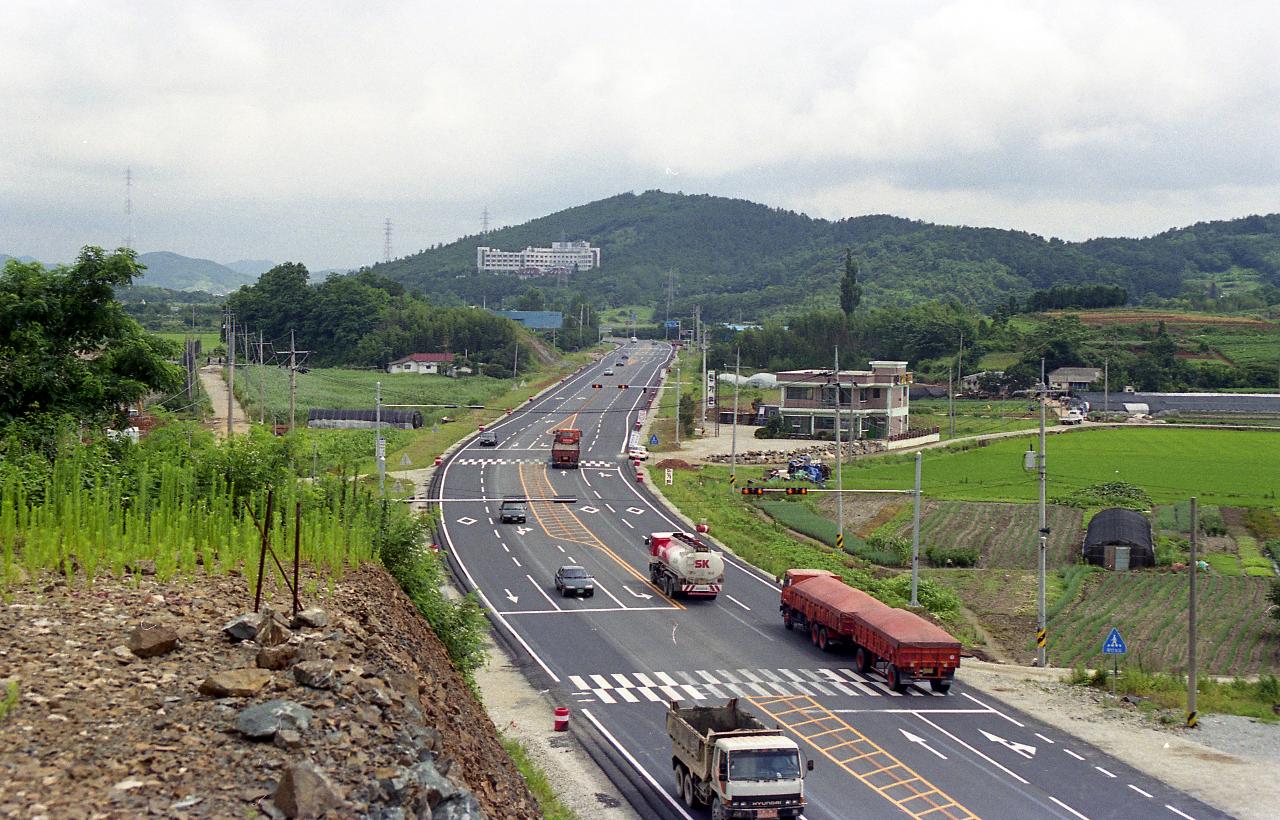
point(681, 564)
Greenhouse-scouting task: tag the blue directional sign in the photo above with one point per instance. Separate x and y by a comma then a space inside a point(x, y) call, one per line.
point(1114, 644)
point(673, 323)
point(653, 441)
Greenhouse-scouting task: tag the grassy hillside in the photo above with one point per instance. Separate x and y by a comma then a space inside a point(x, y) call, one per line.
point(742, 260)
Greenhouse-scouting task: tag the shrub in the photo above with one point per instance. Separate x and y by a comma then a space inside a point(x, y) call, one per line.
point(1109, 494)
point(1263, 523)
point(894, 545)
point(952, 556)
point(10, 699)
point(1171, 549)
point(938, 599)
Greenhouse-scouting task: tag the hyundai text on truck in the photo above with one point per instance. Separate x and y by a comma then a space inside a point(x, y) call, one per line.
point(566, 448)
point(726, 758)
point(901, 645)
point(682, 564)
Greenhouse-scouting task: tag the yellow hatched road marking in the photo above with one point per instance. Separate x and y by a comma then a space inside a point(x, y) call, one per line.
point(943, 803)
point(566, 423)
point(563, 525)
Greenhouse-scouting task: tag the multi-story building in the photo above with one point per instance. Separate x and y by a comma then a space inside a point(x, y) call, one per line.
point(874, 403)
point(544, 261)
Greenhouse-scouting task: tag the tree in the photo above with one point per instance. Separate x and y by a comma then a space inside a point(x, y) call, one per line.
point(850, 290)
point(66, 344)
point(688, 415)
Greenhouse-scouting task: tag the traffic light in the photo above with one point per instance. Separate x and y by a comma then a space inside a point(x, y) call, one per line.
point(797, 491)
point(753, 490)
point(623, 386)
point(597, 386)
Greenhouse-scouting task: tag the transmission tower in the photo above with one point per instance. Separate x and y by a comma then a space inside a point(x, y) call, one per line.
point(386, 240)
point(484, 231)
point(128, 207)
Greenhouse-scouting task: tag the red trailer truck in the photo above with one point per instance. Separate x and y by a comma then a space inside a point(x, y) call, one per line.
point(566, 448)
point(901, 644)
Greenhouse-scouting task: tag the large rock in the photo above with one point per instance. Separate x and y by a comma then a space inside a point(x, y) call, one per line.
point(276, 657)
point(235, 683)
point(149, 640)
point(313, 617)
point(263, 720)
point(272, 630)
point(243, 628)
point(427, 787)
point(463, 806)
point(305, 791)
point(315, 674)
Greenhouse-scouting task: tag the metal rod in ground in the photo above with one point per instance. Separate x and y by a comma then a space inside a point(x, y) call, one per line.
point(380, 448)
point(733, 446)
point(839, 456)
point(915, 539)
point(297, 551)
point(262, 550)
point(1192, 717)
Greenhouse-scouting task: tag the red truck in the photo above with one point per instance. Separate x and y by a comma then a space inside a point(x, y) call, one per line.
point(566, 448)
point(901, 644)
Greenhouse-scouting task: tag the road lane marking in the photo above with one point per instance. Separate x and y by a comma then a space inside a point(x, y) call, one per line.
point(1179, 813)
point(993, 711)
point(1068, 808)
point(1073, 754)
point(517, 560)
point(543, 593)
point(597, 492)
point(736, 601)
point(587, 611)
point(606, 591)
point(1104, 771)
point(1009, 772)
point(864, 760)
point(628, 523)
point(1042, 737)
point(610, 509)
point(1139, 791)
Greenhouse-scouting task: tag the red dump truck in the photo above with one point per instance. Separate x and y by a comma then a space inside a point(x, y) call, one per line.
point(566, 448)
point(900, 644)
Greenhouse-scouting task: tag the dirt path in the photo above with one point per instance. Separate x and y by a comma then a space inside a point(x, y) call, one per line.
point(216, 387)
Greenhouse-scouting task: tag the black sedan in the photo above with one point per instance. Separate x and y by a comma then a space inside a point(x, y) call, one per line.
point(488, 440)
point(512, 512)
point(574, 580)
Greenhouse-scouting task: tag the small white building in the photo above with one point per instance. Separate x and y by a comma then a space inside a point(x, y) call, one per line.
point(539, 261)
point(433, 363)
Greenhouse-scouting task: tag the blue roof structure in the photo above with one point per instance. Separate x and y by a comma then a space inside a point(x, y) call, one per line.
point(535, 319)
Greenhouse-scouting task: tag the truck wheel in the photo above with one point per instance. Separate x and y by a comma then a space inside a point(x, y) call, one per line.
point(787, 623)
point(861, 661)
point(824, 643)
point(895, 680)
point(686, 789)
point(942, 686)
point(813, 634)
point(717, 810)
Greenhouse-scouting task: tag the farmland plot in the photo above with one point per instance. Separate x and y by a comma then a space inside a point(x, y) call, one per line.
point(1150, 610)
point(1005, 534)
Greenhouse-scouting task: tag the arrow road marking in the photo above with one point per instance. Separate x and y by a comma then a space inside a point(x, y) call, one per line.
point(604, 475)
point(636, 594)
point(515, 599)
point(1021, 748)
point(523, 530)
point(922, 742)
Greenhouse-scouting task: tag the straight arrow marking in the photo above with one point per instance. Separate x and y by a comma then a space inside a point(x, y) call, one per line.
point(512, 598)
point(1021, 748)
point(922, 742)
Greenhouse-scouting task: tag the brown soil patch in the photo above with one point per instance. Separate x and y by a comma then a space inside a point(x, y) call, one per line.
point(674, 464)
point(1170, 318)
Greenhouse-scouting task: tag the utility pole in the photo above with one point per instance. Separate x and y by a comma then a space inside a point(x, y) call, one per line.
point(1041, 633)
point(379, 447)
point(705, 394)
point(1192, 717)
point(1106, 385)
point(231, 369)
point(293, 381)
point(839, 461)
point(951, 402)
point(733, 443)
point(262, 380)
point(515, 362)
point(915, 537)
point(677, 403)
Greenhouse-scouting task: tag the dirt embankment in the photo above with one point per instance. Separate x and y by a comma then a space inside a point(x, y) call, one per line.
point(378, 720)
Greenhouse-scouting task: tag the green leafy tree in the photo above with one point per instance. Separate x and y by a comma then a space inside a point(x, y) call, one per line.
point(850, 290)
point(66, 344)
point(688, 414)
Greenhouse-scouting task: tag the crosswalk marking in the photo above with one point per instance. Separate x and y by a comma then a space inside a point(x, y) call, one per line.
point(481, 462)
point(720, 684)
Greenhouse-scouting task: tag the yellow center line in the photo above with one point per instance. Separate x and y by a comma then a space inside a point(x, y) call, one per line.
point(563, 525)
point(945, 803)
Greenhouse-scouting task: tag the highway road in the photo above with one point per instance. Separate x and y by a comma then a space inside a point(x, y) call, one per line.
point(619, 658)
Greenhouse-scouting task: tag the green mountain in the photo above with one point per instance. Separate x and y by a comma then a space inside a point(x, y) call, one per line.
point(176, 272)
point(743, 261)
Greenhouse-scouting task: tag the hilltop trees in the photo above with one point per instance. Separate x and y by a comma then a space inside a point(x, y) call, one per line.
point(66, 345)
point(850, 290)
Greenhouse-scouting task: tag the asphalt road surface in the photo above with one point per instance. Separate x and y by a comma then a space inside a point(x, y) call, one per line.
point(618, 658)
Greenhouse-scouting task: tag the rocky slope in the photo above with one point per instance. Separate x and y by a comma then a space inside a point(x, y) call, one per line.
point(134, 701)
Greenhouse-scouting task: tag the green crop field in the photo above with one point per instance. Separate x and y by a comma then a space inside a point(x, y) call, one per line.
point(340, 388)
point(1236, 467)
point(973, 417)
point(1150, 610)
point(1004, 534)
point(209, 339)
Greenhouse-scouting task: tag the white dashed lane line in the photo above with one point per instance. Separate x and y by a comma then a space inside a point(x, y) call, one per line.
point(628, 523)
point(1140, 791)
point(1073, 754)
point(1104, 771)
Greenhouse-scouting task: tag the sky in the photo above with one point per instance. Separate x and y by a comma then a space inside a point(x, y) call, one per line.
point(293, 130)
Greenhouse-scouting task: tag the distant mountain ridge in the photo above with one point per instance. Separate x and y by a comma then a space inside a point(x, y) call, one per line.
point(743, 260)
point(176, 272)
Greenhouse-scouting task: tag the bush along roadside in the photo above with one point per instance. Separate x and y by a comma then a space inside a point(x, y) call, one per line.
point(1158, 691)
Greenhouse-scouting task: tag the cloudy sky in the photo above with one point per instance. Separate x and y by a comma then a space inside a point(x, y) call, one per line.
point(291, 130)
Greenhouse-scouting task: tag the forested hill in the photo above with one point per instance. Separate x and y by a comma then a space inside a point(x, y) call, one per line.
point(742, 260)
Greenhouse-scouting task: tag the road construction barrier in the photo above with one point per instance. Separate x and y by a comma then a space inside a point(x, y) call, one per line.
point(439, 461)
point(561, 723)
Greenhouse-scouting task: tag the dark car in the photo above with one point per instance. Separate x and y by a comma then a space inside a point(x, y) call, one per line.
point(488, 440)
point(574, 580)
point(512, 512)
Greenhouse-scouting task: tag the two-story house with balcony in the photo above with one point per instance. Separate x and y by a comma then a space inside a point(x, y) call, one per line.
point(874, 403)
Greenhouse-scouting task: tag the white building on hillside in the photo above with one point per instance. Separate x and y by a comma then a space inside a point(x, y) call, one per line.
point(542, 260)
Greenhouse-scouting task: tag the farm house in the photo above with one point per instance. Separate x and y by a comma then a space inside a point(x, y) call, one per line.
point(1119, 539)
point(361, 419)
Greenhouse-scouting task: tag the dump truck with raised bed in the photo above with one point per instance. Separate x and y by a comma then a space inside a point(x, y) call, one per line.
point(682, 564)
point(566, 448)
point(726, 758)
point(901, 645)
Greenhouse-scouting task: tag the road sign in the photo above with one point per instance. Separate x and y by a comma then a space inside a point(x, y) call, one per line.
point(404, 460)
point(653, 441)
point(1114, 644)
point(380, 449)
point(670, 476)
point(672, 323)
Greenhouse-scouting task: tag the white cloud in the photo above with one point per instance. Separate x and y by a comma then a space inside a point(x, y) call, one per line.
point(292, 129)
